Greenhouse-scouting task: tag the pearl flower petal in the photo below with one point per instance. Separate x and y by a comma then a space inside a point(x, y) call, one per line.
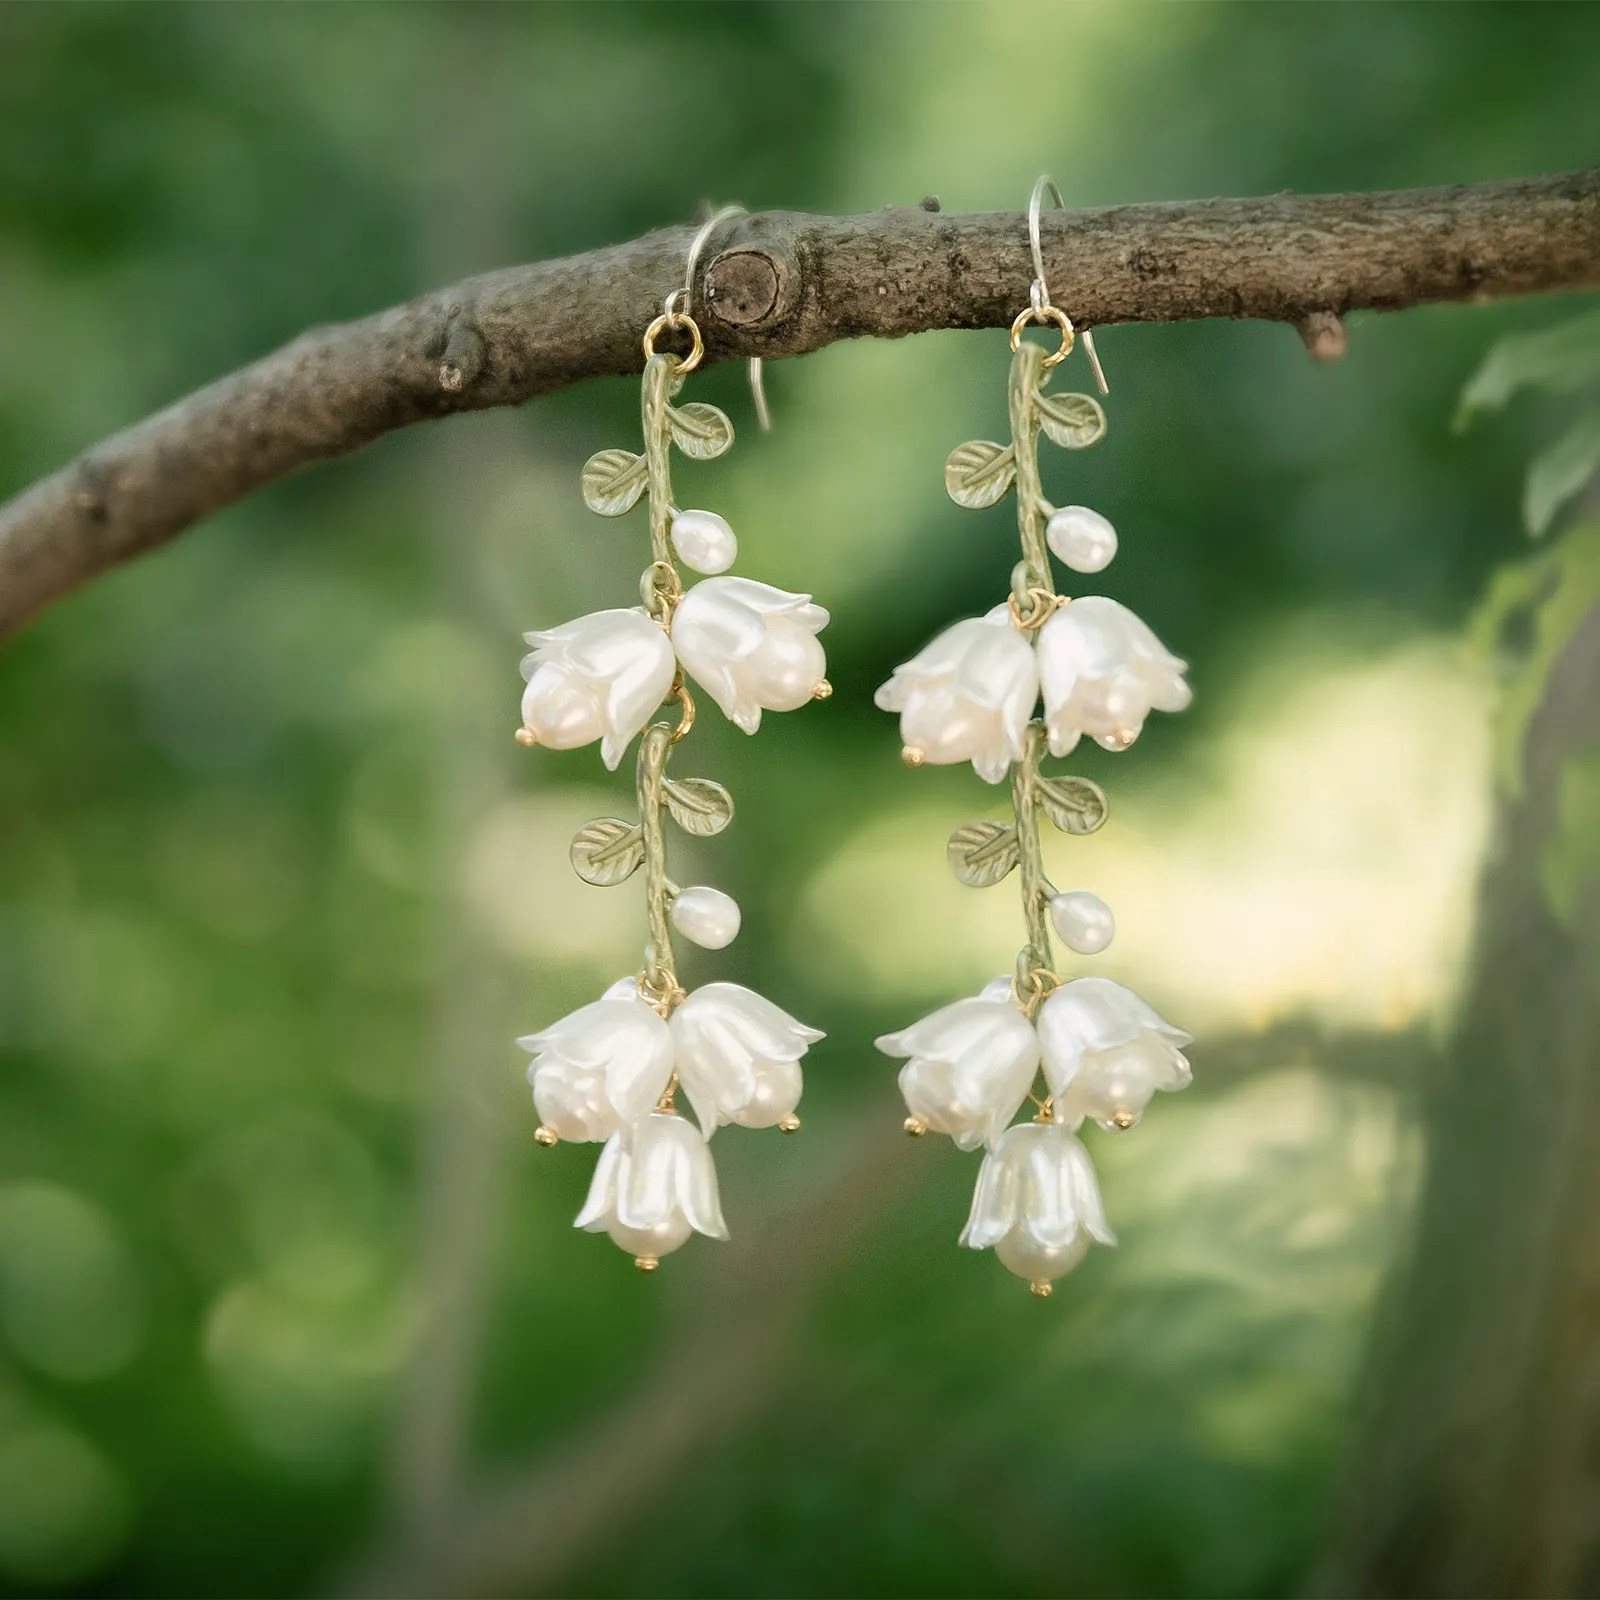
point(970, 1066)
point(603, 1067)
point(652, 1192)
point(750, 646)
point(967, 696)
point(599, 677)
point(1106, 1052)
point(1102, 672)
point(1037, 1202)
point(736, 1053)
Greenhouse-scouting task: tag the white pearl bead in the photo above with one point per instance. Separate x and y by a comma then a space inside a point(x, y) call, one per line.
point(1020, 1253)
point(707, 917)
point(704, 541)
point(1083, 920)
point(1082, 538)
point(660, 1240)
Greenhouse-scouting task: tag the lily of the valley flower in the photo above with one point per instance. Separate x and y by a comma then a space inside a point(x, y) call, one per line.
point(967, 696)
point(751, 647)
point(653, 1191)
point(599, 677)
point(970, 1066)
point(738, 1056)
point(1106, 1052)
point(1037, 1204)
point(1103, 671)
point(602, 1068)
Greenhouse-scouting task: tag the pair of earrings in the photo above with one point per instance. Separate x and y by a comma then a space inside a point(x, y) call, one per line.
point(614, 1070)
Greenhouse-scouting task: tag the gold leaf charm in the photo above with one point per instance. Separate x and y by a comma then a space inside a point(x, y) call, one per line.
point(701, 431)
point(698, 805)
point(612, 481)
point(607, 850)
point(982, 853)
point(979, 472)
point(1073, 421)
point(1074, 804)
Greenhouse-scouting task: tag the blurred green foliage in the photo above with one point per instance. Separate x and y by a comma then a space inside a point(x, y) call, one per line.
point(286, 1296)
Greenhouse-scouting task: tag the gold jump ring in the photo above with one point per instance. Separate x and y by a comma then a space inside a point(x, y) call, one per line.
point(676, 319)
point(1045, 313)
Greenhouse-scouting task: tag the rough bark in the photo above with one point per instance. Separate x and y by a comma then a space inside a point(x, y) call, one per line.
point(782, 284)
point(1477, 1465)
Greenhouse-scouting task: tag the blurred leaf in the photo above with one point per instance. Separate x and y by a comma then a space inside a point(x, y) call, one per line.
point(982, 853)
point(613, 480)
point(698, 805)
point(1074, 804)
point(607, 850)
point(701, 431)
point(1558, 359)
point(1073, 421)
point(1561, 472)
point(978, 473)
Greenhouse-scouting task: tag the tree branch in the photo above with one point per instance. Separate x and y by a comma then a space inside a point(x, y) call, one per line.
point(783, 284)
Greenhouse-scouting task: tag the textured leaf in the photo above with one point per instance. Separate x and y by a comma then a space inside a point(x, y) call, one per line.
point(981, 853)
point(613, 481)
point(978, 473)
point(698, 805)
point(1074, 804)
point(1073, 421)
point(1561, 472)
point(1558, 359)
point(701, 431)
point(607, 850)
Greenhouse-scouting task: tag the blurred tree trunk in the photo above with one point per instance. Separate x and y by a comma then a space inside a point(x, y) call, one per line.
point(1475, 1468)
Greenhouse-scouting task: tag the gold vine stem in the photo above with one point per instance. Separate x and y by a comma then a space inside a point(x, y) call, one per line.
point(661, 382)
point(1027, 373)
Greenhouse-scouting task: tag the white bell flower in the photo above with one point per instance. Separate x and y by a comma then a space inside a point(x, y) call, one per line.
point(651, 1193)
point(600, 677)
point(1037, 1204)
point(751, 647)
point(1106, 1052)
point(1103, 671)
point(738, 1056)
point(603, 1067)
point(967, 696)
point(971, 1065)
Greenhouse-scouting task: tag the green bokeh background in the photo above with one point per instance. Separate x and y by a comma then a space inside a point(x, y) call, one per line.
point(289, 1302)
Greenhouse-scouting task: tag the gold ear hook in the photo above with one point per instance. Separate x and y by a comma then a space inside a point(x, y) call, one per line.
point(1039, 304)
point(758, 392)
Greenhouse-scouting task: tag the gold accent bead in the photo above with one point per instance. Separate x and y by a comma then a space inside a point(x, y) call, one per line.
point(1042, 1287)
point(915, 1126)
point(790, 1124)
point(822, 690)
point(1125, 737)
point(647, 1263)
point(1123, 1119)
point(546, 1136)
point(527, 738)
point(913, 755)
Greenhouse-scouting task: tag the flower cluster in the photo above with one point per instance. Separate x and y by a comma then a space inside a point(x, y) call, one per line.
point(751, 647)
point(611, 1072)
point(972, 695)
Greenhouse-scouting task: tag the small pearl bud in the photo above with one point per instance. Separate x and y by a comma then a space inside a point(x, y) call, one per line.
point(704, 541)
point(1082, 538)
point(706, 917)
point(1083, 920)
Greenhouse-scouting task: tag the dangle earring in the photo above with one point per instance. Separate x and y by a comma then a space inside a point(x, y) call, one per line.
point(613, 1070)
point(971, 696)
